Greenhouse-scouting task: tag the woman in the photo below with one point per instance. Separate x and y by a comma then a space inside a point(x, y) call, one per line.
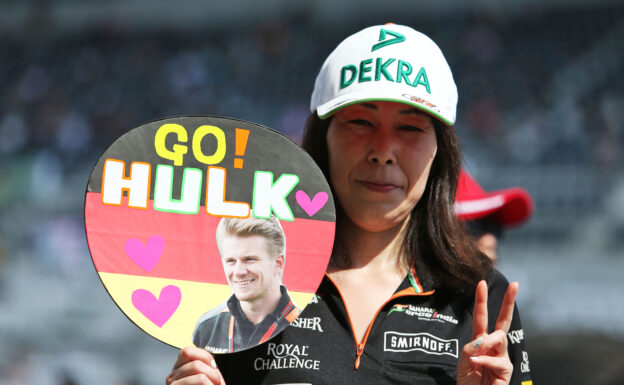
point(398, 303)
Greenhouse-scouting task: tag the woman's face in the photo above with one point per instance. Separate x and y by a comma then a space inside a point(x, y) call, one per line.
point(380, 154)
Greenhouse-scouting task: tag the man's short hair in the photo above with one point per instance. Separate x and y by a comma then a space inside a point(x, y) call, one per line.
point(269, 228)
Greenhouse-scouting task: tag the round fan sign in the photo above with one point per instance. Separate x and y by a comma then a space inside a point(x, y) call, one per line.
point(209, 231)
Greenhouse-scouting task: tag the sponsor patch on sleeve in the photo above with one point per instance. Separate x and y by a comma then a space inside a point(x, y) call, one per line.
point(515, 336)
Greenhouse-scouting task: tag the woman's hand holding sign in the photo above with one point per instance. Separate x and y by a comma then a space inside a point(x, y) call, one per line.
point(485, 359)
point(195, 366)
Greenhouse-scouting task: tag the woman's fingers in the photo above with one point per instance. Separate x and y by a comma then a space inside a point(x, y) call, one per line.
point(192, 353)
point(194, 366)
point(485, 359)
point(500, 367)
point(505, 314)
point(494, 344)
point(197, 379)
point(480, 313)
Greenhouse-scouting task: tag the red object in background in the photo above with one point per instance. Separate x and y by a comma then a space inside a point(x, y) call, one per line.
point(509, 207)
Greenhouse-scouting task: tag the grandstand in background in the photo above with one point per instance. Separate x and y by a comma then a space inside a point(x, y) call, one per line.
point(541, 106)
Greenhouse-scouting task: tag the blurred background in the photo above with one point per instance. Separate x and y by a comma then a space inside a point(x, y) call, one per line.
point(541, 85)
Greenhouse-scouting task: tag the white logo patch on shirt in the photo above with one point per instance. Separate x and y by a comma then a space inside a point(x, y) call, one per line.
point(312, 323)
point(516, 336)
point(424, 342)
point(213, 349)
point(423, 313)
point(286, 356)
point(524, 366)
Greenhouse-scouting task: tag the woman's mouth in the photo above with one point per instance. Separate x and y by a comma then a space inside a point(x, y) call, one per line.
point(379, 186)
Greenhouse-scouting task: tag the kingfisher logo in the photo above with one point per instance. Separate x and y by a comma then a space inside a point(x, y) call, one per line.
point(424, 342)
point(313, 323)
point(516, 336)
point(423, 313)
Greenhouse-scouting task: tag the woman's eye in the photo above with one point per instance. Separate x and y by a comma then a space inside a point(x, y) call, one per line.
point(411, 128)
point(361, 122)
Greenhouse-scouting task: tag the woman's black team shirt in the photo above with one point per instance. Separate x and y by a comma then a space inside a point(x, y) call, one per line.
point(413, 340)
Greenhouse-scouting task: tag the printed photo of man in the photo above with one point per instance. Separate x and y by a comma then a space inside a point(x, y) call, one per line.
point(253, 254)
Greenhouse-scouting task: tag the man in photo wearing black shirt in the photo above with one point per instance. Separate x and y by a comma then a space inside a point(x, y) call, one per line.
point(253, 253)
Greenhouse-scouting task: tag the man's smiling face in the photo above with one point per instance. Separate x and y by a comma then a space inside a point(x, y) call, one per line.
point(250, 269)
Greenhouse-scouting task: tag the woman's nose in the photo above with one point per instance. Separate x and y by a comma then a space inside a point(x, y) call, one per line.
point(383, 148)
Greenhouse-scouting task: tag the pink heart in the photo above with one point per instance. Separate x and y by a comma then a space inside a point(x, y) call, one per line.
point(311, 206)
point(145, 256)
point(157, 310)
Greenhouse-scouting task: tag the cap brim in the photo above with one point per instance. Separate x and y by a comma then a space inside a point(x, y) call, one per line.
point(508, 207)
point(326, 110)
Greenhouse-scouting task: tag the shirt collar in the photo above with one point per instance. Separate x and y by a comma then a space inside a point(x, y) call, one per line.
point(234, 305)
point(411, 285)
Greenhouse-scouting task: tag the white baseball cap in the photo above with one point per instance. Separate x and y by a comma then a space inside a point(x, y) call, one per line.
point(386, 63)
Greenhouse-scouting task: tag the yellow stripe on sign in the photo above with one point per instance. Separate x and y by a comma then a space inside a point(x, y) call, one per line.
point(196, 299)
point(300, 299)
point(527, 383)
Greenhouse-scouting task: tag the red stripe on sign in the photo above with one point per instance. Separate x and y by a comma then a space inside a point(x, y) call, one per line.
point(157, 244)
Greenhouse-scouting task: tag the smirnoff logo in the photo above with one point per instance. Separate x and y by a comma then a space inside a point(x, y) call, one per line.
point(424, 342)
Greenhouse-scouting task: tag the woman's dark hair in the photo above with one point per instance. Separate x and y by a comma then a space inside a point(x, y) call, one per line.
point(441, 251)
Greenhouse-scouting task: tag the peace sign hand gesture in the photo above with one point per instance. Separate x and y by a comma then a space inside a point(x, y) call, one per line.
point(485, 360)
